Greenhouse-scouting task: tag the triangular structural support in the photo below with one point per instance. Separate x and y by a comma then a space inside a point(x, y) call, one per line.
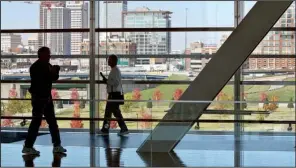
point(228, 59)
point(162, 160)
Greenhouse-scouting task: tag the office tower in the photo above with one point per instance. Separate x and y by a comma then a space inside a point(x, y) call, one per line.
point(55, 16)
point(149, 42)
point(79, 19)
point(33, 43)
point(118, 46)
point(277, 43)
point(111, 15)
point(10, 42)
point(197, 64)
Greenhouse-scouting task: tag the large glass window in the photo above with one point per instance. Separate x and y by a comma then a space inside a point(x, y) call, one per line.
point(162, 46)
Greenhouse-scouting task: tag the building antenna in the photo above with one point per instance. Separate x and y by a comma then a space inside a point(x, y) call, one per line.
point(186, 27)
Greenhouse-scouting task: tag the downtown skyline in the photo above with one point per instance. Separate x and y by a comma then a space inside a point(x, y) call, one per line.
point(200, 14)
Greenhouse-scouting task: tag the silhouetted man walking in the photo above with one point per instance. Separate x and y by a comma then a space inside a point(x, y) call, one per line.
point(115, 92)
point(42, 75)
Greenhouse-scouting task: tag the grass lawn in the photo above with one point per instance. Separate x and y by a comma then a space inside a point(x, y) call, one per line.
point(158, 113)
point(258, 88)
point(253, 94)
point(166, 90)
point(284, 94)
point(253, 91)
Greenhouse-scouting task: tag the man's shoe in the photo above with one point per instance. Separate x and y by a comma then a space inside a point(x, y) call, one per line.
point(59, 149)
point(121, 133)
point(30, 151)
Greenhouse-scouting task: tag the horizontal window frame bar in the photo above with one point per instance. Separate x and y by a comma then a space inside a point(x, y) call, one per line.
point(272, 56)
point(171, 29)
point(199, 132)
point(161, 120)
point(227, 112)
point(153, 101)
point(58, 81)
point(77, 30)
point(286, 83)
point(36, 57)
point(193, 56)
point(140, 0)
point(167, 82)
point(176, 82)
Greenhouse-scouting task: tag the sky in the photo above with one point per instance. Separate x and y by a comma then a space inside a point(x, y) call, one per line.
point(19, 15)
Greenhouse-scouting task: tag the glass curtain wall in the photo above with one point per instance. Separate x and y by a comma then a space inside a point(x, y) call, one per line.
point(162, 47)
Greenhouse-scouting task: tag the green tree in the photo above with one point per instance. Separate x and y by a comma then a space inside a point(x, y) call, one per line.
point(149, 104)
point(3, 108)
point(291, 104)
point(82, 103)
point(13, 106)
point(126, 107)
point(244, 104)
point(60, 104)
point(273, 104)
point(221, 105)
point(102, 107)
point(266, 104)
point(26, 104)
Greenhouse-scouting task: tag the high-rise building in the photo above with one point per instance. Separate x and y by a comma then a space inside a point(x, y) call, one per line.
point(43, 24)
point(111, 16)
point(79, 19)
point(57, 16)
point(85, 47)
point(277, 43)
point(118, 46)
point(149, 42)
point(187, 60)
point(33, 43)
point(10, 42)
point(197, 64)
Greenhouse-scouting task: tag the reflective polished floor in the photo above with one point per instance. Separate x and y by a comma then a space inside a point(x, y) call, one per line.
point(193, 150)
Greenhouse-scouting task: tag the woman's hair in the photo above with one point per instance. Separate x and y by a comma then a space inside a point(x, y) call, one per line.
point(114, 57)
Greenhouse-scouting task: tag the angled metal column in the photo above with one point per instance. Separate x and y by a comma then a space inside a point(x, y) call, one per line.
point(231, 55)
point(162, 160)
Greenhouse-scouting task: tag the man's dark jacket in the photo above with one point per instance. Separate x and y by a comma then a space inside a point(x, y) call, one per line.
point(42, 78)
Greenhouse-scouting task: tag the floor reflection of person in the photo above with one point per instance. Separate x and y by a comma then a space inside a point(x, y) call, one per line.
point(57, 159)
point(113, 154)
point(56, 162)
point(29, 160)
